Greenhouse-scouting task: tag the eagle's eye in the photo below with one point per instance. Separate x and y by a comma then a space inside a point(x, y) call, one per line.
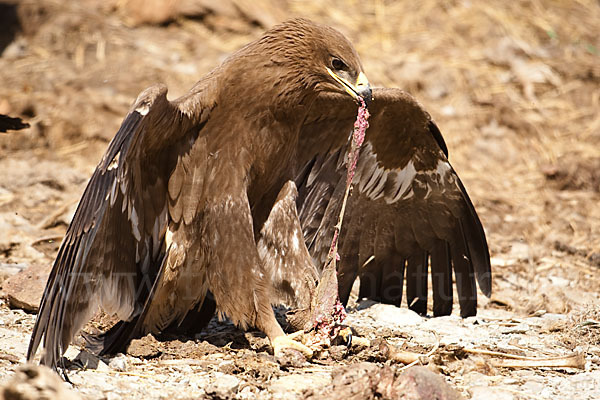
point(338, 64)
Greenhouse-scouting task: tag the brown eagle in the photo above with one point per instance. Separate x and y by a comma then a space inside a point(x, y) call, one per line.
point(225, 200)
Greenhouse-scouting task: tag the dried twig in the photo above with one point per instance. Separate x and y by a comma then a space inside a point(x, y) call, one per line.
point(575, 360)
point(128, 374)
point(406, 357)
point(186, 362)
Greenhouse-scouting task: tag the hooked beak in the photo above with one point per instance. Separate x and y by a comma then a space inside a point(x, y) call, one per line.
point(359, 89)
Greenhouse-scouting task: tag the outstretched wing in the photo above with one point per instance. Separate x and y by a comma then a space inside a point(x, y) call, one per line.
point(114, 248)
point(408, 211)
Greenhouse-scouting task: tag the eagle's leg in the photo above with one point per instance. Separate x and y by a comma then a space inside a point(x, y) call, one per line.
point(282, 342)
point(236, 275)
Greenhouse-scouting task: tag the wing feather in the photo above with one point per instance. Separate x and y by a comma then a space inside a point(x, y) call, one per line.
point(110, 254)
point(414, 210)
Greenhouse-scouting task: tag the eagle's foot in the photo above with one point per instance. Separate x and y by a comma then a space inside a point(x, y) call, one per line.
point(351, 340)
point(285, 342)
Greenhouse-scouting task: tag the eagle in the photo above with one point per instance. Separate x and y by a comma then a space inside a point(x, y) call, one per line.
point(226, 199)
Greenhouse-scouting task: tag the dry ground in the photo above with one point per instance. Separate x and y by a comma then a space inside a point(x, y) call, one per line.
point(514, 87)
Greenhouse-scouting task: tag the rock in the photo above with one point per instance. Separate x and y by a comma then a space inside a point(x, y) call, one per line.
point(490, 393)
point(363, 381)
point(291, 358)
point(371, 381)
point(519, 328)
point(293, 386)
point(37, 382)
point(247, 393)
point(119, 363)
point(520, 251)
point(223, 387)
point(390, 315)
point(419, 383)
point(112, 396)
point(146, 347)
point(7, 270)
point(24, 290)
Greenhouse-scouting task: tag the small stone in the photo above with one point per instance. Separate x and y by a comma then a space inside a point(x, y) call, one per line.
point(520, 251)
point(71, 352)
point(119, 363)
point(419, 383)
point(224, 386)
point(391, 315)
point(247, 393)
point(291, 358)
point(490, 393)
point(7, 269)
point(112, 396)
point(37, 382)
point(533, 387)
point(24, 289)
point(339, 352)
point(559, 281)
point(520, 328)
point(146, 347)
point(293, 386)
point(367, 381)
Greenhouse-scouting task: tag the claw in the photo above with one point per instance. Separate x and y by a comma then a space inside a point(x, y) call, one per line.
point(346, 335)
point(352, 340)
point(287, 342)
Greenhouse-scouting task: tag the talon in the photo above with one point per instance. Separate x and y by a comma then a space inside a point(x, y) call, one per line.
point(287, 342)
point(346, 334)
point(353, 341)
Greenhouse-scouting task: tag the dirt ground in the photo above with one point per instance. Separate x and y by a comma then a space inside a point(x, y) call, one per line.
point(513, 86)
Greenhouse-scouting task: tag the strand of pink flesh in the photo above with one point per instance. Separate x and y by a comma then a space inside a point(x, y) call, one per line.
point(358, 137)
point(327, 327)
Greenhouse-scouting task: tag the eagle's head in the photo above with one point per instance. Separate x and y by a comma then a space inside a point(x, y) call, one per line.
point(302, 58)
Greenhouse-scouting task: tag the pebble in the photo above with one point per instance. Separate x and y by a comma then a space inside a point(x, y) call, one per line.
point(520, 328)
point(390, 315)
point(490, 393)
point(292, 386)
point(119, 363)
point(520, 251)
point(223, 386)
point(37, 382)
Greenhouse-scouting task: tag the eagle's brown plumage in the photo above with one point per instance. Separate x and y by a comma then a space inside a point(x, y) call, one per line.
point(225, 199)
